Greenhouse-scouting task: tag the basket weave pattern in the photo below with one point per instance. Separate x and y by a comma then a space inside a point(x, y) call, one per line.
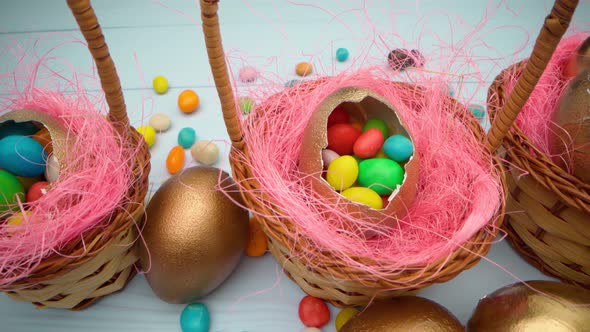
point(102, 260)
point(549, 210)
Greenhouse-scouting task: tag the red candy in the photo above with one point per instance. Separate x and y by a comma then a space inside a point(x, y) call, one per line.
point(369, 143)
point(313, 312)
point(338, 115)
point(385, 200)
point(341, 138)
point(36, 191)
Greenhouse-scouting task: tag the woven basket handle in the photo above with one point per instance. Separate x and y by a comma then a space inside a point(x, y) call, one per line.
point(88, 23)
point(220, 74)
point(556, 23)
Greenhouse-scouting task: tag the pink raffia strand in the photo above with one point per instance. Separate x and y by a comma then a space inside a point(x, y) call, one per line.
point(535, 119)
point(94, 177)
point(459, 190)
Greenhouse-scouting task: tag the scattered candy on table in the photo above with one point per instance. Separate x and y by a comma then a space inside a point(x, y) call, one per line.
point(304, 69)
point(11, 191)
point(344, 316)
point(313, 312)
point(160, 122)
point(148, 133)
point(37, 191)
point(186, 137)
point(160, 84)
point(291, 83)
point(342, 54)
point(205, 152)
point(246, 104)
point(257, 242)
point(53, 169)
point(195, 318)
point(248, 74)
point(22, 155)
point(478, 110)
point(175, 159)
point(398, 148)
point(188, 101)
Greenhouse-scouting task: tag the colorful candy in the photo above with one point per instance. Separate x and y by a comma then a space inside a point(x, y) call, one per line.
point(148, 133)
point(160, 122)
point(398, 148)
point(195, 318)
point(364, 196)
point(188, 101)
point(313, 312)
point(342, 54)
point(37, 191)
point(248, 74)
point(400, 59)
point(377, 123)
point(175, 159)
point(44, 138)
point(53, 169)
point(328, 156)
point(257, 243)
point(478, 110)
point(338, 115)
point(368, 144)
point(205, 152)
point(341, 138)
point(344, 316)
point(380, 174)
point(291, 83)
point(342, 172)
point(160, 84)
point(246, 104)
point(186, 137)
point(11, 191)
point(303, 69)
point(22, 155)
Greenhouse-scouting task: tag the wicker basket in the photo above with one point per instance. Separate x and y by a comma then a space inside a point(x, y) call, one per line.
point(549, 218)
point(102, 260)
point(334, 281)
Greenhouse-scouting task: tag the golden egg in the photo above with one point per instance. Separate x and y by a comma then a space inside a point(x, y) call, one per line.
point(361, 104)
point(549, 307)
point(403, 314)
point(194, 234)
point(571, 139)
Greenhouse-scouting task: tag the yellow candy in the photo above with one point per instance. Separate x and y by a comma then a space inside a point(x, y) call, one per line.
point(364, 196)
point(148, 133)
point(15, 220)
point(344, 316)
point(342, 172)
point(160, 84)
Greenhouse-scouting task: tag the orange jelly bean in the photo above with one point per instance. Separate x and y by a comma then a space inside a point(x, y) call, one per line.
point(303, 69)
point(44, 138)
point(188, 101)
point(175, 160)
point(257, 243)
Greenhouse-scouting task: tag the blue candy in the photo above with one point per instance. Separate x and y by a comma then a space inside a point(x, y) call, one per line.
point(195, 318)
point(22, 156)
point(342, 54)
point(187, 137)
point(478, 110)
point(398, 148)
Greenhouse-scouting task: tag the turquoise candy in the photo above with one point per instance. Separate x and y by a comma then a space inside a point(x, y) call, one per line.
point(377, 123)
point(195, 318)
point(187, 137)
point(342, 54)
point(10, 189)
point(292, 83)
point(22, 156)
point(398, 148)
point(10, 128)
point(380, 174)
point(478, 110)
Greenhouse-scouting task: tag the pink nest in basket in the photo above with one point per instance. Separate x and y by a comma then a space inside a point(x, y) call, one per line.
point(459, 188)
point(93, 181)
point(536, 116)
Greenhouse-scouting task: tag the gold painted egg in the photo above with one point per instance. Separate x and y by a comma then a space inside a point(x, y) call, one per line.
point(572, 131)
point(402, 314)
point(549, 307)
point(361, 104)
point(194, 234)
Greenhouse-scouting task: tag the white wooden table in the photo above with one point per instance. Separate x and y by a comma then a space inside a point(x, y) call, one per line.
point(274, 35)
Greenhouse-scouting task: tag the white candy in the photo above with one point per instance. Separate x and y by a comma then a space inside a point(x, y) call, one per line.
point(205, 152)
point(52, 170)
point(160, 122)
point(328, 156)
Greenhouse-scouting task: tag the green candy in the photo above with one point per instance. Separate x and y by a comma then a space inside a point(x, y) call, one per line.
point(246, 104)
point(379, 124)
point(380, 174)
point(10, 189)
